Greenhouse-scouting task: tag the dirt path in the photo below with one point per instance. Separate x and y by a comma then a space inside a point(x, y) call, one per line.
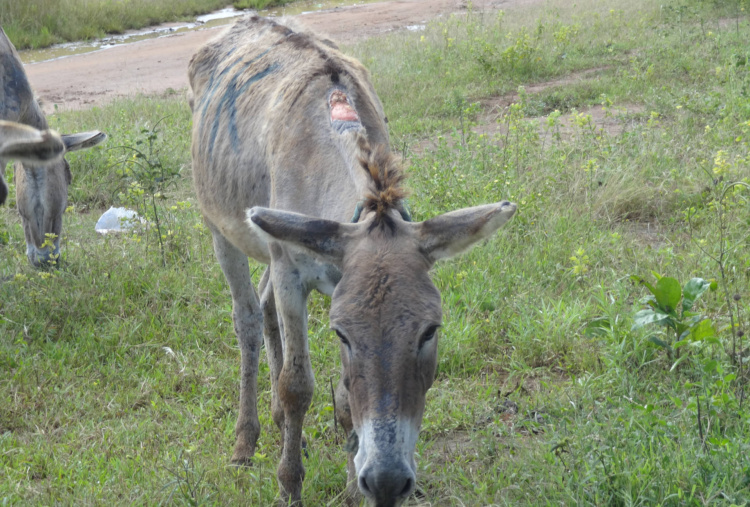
point(156, 65)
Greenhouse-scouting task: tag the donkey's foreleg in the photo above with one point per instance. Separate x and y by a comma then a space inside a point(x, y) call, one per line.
point(296, 382)
point(274, 346)
point(248, 323)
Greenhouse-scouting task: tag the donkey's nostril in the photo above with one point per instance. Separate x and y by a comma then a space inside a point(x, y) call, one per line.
point(407, 488)
point(364, 486)
point(387, 483)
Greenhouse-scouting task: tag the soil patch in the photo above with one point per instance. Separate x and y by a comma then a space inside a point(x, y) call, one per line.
point(648, 234)
point(156, 65)
point(612, 121)
point(495, 107)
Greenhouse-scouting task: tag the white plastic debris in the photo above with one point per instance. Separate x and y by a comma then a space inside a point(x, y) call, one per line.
point(117, 220)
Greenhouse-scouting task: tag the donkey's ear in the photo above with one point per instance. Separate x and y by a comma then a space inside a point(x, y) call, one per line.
point(27, 144)
point(323, 238)
point(453, 233)
point(83, 140)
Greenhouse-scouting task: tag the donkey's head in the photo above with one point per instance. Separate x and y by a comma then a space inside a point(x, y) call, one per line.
point(42, 196)
point(386, 312)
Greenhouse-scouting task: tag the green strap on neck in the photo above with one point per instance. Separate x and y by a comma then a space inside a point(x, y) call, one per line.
point(357, 212)
point(405, 211)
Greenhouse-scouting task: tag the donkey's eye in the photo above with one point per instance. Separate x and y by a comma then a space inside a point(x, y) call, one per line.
point(428, 335)
point(342, 338)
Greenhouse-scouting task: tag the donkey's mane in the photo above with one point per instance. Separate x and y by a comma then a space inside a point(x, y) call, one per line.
point(385, 173)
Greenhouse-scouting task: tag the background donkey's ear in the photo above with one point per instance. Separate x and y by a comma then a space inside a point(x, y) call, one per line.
point(27, 144)
point(323, 238)
point(453, 233)
point(83, 140)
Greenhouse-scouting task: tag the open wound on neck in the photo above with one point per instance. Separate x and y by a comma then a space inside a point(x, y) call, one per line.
point(341, 110)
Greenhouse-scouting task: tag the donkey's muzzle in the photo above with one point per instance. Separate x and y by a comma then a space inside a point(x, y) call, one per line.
point(387, 485)
point(43, 257)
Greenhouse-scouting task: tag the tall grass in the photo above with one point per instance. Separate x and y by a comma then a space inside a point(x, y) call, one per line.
point(120, 379)
point(41, 23)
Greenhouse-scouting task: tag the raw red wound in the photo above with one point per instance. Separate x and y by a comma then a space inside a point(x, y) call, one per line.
point(343, 112)
point(340, 108)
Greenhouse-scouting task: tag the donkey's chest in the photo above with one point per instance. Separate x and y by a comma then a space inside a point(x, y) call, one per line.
point(313, 274)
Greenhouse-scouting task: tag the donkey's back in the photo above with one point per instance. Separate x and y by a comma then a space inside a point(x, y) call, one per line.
point(273, 110)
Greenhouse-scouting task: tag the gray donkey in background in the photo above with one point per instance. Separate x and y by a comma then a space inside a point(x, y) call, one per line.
point(41, 188)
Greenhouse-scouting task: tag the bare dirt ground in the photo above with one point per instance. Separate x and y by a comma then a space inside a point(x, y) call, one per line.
point(612, 120)
point(492, 118)
point(154, 66)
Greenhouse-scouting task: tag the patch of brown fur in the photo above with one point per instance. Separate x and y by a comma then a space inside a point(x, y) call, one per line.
point(386, 175)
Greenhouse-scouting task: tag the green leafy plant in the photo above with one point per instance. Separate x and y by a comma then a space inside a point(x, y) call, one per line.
point(670, 306)
point(146, 179)
point(725, 203)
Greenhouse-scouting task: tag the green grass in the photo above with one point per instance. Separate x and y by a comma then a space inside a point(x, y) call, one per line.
point(41, 23)
point(120, 379)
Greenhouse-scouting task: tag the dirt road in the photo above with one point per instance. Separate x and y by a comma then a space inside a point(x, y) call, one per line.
point(156, 65)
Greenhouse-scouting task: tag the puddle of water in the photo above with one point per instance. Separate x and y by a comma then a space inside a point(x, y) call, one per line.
point(309, 6)
point(229, 12)
point(213, 19)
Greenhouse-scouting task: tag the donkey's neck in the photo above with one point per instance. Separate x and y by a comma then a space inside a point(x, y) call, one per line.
point(350, 150)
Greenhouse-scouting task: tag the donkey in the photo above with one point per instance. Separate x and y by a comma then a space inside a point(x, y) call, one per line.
point(288, 128)
point(27, 144)
point(41, 189)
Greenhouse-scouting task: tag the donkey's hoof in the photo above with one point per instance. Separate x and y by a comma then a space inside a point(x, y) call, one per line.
point(242, 461)
point(243, 454)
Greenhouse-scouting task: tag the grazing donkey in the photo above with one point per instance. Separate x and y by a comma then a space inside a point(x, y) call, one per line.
point(27, 144)
point(286, 125)
point(41, 189)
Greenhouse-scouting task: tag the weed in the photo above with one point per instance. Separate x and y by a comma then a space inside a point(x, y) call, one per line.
point(665, 310)
point(188, 485)
point(146, 180)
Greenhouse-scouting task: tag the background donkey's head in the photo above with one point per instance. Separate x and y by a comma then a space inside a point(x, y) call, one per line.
point(41, 188)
